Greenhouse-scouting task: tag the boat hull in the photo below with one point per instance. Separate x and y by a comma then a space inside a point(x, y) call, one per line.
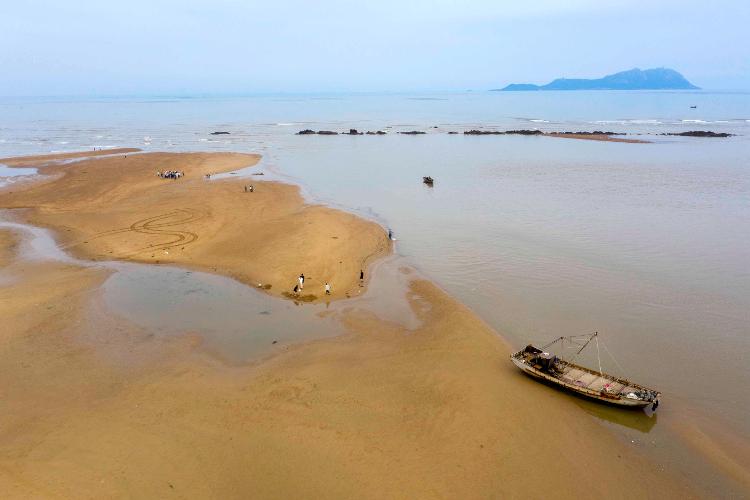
point(612, 399)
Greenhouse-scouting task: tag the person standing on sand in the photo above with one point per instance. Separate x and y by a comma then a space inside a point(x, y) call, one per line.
point(361, 277)
point(301, 281)
point(328, 289)
point(296, 289)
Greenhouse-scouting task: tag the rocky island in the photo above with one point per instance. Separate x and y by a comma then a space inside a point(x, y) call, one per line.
point(634, 79)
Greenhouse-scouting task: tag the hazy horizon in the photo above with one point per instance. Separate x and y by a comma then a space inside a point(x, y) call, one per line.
point(230, 47)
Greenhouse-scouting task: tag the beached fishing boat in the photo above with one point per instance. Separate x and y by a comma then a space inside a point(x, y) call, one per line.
point(593, 384)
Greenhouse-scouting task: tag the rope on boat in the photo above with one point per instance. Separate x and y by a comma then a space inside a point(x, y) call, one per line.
point(622, 370)
point(553, 342)
point(595, 336)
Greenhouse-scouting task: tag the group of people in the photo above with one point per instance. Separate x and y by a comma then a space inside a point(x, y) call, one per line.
point(301, 285)
point(327, 287)
point(170, 174)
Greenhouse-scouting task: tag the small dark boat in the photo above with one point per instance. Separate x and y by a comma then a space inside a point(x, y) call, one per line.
point(693, 107)
point(575, 378)
point(428, 180)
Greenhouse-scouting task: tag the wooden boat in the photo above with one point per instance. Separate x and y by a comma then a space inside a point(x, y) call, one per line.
point(593, 384)
point(428, 180)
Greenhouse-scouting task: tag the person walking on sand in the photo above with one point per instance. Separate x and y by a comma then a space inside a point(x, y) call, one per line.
point(301, 281)
point(328, 289)
point(361, 277)
point(296, 289)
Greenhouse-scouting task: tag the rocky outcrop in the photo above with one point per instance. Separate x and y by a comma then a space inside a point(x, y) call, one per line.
point(524, 132)
point(507, 132)
point(413, 132)
point(307, 131)
point(352, 131)
point(700, 133)
point(595, 132)
point(377, 132)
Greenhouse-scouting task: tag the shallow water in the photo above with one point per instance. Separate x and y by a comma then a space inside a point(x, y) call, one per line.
point(647, 244)
point(10, 175)
point(235, 322)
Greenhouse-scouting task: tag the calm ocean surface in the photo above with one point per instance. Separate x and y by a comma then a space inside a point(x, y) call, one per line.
point(649, 244)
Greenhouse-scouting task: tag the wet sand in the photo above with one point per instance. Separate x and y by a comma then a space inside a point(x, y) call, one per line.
point(597, 137)
point(47, 159)
point(8, 246)
point(98, 406)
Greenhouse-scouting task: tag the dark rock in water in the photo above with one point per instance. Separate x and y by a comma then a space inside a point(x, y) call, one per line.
point(413, 132)
point(377, 132)
point(307, 131)
point(700, 133)
point(507, 132)
point(483, 132)
point(524, 132)
point(595, 132)
point(220, 133)
point(352, 131)
point(452, 132)
point(428, 180)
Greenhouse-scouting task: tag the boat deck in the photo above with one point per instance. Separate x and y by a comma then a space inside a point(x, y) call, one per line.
point(593, 381)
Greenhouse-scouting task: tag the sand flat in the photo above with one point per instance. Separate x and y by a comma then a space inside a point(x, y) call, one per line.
point(8, 246)
point(117, 208)
point(96, 406)
point(436, 412)
point(597, 137)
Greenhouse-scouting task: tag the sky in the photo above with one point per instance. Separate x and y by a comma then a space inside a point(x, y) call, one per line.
point(141, 47)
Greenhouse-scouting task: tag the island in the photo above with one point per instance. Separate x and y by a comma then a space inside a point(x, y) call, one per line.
point(634, 79)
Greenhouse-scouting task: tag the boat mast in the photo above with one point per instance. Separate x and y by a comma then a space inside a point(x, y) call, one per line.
point(587, 342)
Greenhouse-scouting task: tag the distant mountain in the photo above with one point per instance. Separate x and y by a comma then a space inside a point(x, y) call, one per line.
point(634, 79)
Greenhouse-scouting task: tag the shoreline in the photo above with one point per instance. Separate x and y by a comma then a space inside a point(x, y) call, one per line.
point(439, 343)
